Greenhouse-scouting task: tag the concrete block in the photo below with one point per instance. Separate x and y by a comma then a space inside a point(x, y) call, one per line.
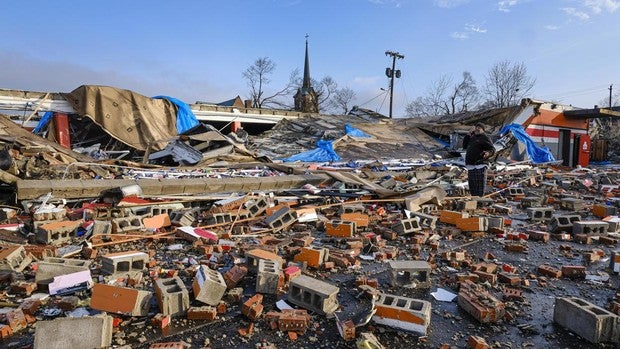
point(572, 204)
point(531, 201)
point(426, 220)
point(255, 255)
point(209, 286)
point(313, 294)
point(404, 313)
point(410, 273)
point(593, 323)
point(57, 233)
point(269, 277)
point(614, 223)
point(540, 214)
point(172, 296)
point(51, 267)
point(590, 227)
point(126, 224)
point(407, 226)
point(281, 219)
point(14, 258)
point(515, 193)
point(77, 333)
point(217, 218)
point(120, 300)
point(184, 218)
point(124, 262)
point(562, 223)
point(102, 227)
point(257, 207)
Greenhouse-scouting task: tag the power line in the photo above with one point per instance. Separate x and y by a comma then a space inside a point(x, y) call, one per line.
point(373, 98)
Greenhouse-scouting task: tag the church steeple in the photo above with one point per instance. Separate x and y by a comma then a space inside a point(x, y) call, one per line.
point(306, 84)
point(305, 99)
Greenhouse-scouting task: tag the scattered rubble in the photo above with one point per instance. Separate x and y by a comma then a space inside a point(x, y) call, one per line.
point(272, 255)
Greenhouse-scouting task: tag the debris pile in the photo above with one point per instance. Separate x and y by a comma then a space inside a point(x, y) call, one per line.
point(344, 257)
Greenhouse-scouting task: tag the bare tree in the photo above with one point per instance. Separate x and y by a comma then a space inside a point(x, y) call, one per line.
point(342, 99)
point(324, 89)
point(506, 84)
point(441, 99)
point(257, 77)
point(465, 95)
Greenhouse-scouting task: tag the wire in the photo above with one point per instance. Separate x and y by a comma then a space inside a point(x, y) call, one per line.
point(372, 99)
point(383, 101)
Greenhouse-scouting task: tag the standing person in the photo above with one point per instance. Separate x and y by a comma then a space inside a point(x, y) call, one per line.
point(479, 149)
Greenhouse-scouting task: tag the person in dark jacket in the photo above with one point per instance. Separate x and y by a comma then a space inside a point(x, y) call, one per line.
point(479, 150)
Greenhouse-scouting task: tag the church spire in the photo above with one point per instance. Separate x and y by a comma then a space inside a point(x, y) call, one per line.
point(306, 99)
point(306, 84)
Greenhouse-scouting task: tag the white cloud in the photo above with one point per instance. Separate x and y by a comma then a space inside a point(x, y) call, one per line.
point(450, 3)
point(460, 36)
point(571, 11)
point(396, 3)
point(366, 80)
point(505, 5)
point(598, 6)
point(475, 28)
point(551, 27)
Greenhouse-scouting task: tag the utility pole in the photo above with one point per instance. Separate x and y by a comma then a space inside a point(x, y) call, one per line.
point(391, 73)
point(610, 90)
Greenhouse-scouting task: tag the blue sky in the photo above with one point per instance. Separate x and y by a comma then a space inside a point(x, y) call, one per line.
point(197, 50)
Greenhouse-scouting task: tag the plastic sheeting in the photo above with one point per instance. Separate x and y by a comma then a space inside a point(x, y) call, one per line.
point(43, 122)
point(185, 116)
point(324, 152)
point(353, 132)
point(537, 154)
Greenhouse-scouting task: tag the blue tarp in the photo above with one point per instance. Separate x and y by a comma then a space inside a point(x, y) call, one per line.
point(353, 132)
point(537, 154)
point(43, 122)
point(185, 116)
point(323, 152)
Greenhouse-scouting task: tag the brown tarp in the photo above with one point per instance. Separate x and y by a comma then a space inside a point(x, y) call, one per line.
point(130, 117)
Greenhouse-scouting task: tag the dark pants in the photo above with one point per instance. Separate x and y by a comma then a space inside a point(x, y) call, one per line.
point(477, 179)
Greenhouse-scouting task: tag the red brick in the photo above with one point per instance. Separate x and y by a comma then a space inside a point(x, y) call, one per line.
point(160, 320)
point(16, 320)
point(202, 313)
point(475, 342)
point(252, 308)
point(5, 331)
point(574, 271)
point(30, 306)
point(549, 271)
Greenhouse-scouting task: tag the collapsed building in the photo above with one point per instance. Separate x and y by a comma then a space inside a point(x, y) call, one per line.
point(198, 238)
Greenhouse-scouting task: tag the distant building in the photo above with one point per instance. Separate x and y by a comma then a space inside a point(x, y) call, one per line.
point(306, 100)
